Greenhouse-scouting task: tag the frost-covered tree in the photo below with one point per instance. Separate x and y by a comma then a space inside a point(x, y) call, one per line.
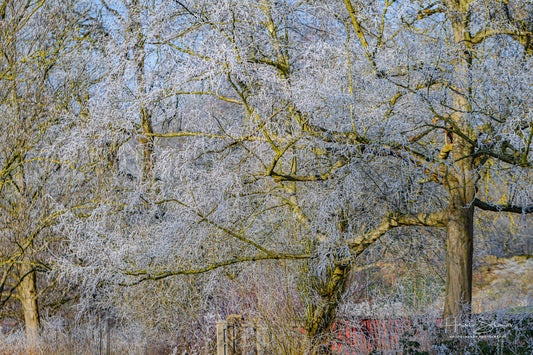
point(43, 84)
point(304, 131)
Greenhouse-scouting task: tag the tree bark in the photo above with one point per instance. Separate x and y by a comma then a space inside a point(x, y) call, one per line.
point(139, 56)
point(460, 234)
point(321, 321)
point(461, 176)
point(459, 252)
point(27, 291)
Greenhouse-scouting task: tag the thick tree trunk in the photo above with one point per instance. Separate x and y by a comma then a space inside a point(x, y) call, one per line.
point(460, 234)
point(321, 321)
point(27, 291)
point(139, 56)
point(459, 251)
point(461, 176)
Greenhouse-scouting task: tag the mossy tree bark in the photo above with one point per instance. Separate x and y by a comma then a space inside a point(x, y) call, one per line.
point(27, 292)
point(322, 316)
point(461, 175)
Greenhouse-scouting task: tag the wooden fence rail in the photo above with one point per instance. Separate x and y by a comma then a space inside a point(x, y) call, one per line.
point(235, 336)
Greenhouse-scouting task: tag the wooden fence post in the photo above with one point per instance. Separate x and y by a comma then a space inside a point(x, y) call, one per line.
point(237, 337)
point(234, 334)
point(229, 335)
point(222, 327)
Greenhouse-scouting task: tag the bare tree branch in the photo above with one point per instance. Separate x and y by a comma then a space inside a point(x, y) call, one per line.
point(434, 219)
point(502, 207)
point(161, 275)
